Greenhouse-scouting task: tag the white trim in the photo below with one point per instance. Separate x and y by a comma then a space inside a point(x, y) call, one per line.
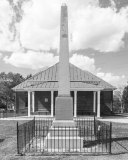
point(58, 81)
point(98, 104)
point(33, 101)
point(56, 89)
point(52, 103)
point(29, 107)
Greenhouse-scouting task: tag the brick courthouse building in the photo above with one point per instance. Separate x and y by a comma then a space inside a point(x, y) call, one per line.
point(91, 95)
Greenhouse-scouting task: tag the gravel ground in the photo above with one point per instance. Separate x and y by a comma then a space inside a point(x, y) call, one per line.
point(8, 145)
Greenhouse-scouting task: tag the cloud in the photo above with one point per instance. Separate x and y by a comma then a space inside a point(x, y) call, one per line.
point(86, 63)
point(1, 55)
point(90, 25)
point(31, 59)
point(83, 62)
point(7, 42)
point(37, 60)
point(123, 76)
point(109, 77)
point(39, 28)
point(99, 28)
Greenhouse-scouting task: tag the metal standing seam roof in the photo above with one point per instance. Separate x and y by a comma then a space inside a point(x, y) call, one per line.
point(49, 79)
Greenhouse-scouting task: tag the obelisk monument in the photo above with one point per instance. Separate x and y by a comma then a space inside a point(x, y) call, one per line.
point(64, 133)
point(64, 102)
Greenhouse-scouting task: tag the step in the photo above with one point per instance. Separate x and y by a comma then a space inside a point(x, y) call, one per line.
point(63, 142)
point(63, 132)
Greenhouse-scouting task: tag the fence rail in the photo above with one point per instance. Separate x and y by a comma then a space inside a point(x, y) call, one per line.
point(90, 136)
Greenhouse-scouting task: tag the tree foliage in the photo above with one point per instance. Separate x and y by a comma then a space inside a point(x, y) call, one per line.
point(29, 76)
point(116, 104)
point(7, 82)
point(125, 98)
point(119, 93)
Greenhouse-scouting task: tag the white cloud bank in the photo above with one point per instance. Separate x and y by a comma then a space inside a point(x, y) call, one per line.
point(40, 25)
point(1, 55)
point(109, 77)
point(100, 28)
point(90, 25)
point(37, 60)
point(83, 62)
point(7, 43)
point(88, 64)
point(33, 60)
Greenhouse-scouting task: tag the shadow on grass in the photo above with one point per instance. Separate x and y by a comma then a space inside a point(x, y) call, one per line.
point(122, 143)
point(1, 140)
point(88, 144)
point(120, 139)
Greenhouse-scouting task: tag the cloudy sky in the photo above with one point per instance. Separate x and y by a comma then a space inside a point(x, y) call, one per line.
point(98, 36)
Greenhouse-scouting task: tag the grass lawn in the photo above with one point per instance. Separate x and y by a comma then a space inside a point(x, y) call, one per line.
point(8, 146)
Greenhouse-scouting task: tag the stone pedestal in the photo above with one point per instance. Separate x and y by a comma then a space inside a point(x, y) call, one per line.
point(64, 108)
point(64, 112)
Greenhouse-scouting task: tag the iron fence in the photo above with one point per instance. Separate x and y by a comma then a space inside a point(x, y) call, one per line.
point(89, 137)
point(25, 136)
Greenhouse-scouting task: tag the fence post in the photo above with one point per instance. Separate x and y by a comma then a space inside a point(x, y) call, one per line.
point(17, 139)
point(110, 139)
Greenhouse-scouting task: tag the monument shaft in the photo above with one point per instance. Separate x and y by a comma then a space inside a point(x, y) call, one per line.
point(64, 79)
point(64, 102)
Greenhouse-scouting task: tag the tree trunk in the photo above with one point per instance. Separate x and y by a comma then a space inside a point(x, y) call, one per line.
point(121, 107)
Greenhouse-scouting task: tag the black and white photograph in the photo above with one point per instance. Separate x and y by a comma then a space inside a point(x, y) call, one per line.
point(63, 79)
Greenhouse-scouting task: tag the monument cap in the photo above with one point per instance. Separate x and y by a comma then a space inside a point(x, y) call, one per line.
point(64, 4)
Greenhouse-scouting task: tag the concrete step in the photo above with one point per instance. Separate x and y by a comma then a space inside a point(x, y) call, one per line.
point(64, 132)
point(63, 142)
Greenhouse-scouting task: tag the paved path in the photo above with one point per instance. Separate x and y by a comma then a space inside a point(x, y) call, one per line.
point(118, 119)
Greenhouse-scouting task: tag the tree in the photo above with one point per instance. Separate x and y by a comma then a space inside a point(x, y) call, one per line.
point(6, 84)
point(125, 98)
point(116, 104)
point(119, 94)
point(29, 76)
